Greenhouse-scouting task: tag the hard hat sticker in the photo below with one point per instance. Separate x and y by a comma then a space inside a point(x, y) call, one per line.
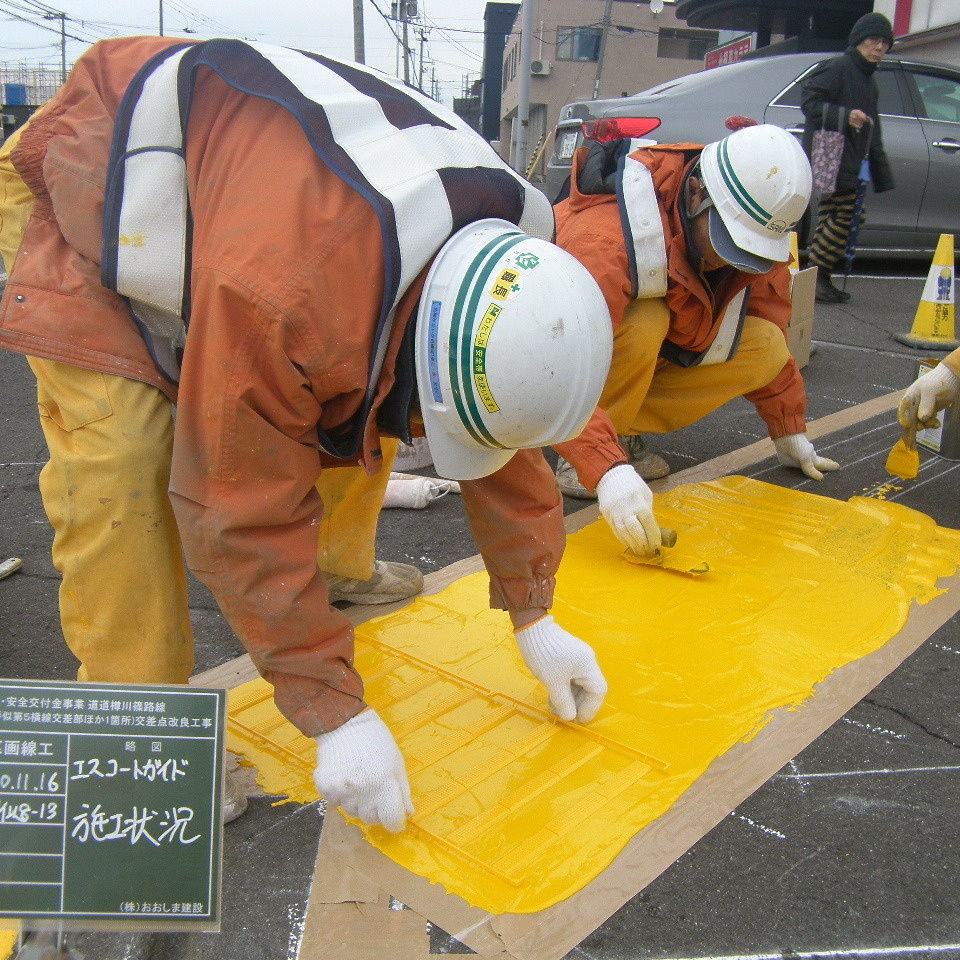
point(480, 356)
point(526, 260)
point(506, 285)
point(432, 364)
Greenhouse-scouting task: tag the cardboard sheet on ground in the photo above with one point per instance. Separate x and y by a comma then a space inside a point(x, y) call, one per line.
point(517, 811)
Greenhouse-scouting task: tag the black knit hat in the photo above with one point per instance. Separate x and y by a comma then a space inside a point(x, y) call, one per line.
point(871, 25)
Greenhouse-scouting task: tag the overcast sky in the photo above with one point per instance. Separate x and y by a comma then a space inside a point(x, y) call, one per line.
point(453, 29)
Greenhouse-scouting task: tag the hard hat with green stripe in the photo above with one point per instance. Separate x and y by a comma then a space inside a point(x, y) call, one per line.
point(513, 345)
point(759, 181)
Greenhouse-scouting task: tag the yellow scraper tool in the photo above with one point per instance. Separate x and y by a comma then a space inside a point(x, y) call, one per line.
point(669, 561)
point(904, 459)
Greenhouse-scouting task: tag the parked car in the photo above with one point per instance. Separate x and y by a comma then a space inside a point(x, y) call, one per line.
point(919, 108)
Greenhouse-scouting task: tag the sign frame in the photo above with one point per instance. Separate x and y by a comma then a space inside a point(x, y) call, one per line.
point(111, 805)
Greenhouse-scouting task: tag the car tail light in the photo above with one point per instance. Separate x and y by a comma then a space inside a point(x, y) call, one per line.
point(622, 128)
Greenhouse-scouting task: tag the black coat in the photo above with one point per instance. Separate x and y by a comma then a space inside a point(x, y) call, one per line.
point(830, 92)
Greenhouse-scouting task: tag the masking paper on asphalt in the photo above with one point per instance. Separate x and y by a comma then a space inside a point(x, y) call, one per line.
point(516, 811)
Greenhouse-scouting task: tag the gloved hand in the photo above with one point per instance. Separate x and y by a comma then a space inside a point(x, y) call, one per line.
point(797, 451)
point(360, 768)
point(626, 503)
point(927, 395)
point(566, 666)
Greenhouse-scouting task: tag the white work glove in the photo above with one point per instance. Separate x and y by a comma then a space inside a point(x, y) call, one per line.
point(797, 451)
point(927, 395)
point(360, 768)
point(566, 666)
point(626, 503)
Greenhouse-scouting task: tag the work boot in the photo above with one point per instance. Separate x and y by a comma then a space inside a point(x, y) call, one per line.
point(826, 291)
point(390, 582)
point(234, 799)
point(649, 465)
point(568, 483)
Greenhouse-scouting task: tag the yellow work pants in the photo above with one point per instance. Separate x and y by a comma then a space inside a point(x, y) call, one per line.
point(645, 394)
point(123, 599)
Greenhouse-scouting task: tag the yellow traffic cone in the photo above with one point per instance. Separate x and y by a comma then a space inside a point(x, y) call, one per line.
point(794, 252)
point(933, 326)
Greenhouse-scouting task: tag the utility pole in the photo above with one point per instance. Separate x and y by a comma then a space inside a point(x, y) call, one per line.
point(604, 30)
point(406, 42)
point(423, 40)
point(358, 51)
point(523, 93)
point(62, 17)
point(161, 17)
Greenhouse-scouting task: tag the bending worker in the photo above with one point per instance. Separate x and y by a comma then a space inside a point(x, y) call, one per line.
point(690, 246)
point(166, 262)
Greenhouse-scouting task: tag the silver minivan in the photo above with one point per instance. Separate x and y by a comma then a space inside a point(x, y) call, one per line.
point(919, 108)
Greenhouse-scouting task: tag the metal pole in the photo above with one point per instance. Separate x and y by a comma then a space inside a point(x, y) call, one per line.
point(63, 48)
point(161, 17)
point(406, 45)
point(423, 40)
point(604, 29)
point(523, 93)
point(358, 51)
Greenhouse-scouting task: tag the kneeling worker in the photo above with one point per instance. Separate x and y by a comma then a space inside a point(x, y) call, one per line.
point(246, 231)
point(690, 246)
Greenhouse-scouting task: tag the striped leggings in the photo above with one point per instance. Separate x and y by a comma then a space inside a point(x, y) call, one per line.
point(829, 243)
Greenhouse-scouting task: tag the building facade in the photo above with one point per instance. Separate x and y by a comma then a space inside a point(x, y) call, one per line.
point(929, 29)
point(575, 58)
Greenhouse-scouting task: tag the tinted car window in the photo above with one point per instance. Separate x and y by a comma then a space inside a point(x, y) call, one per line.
point(891, 101)
point(939, 95)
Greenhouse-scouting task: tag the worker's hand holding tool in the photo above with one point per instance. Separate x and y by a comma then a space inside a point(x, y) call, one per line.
point(927, 395)
point(797, 451)
point(360, 768)
point(566, 666)
point(626, 503)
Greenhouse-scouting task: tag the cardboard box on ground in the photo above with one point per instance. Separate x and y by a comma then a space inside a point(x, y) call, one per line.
point(803, 289)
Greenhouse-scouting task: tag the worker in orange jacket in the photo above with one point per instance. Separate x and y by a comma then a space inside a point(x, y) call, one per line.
point(305, 258)
point(690, 246)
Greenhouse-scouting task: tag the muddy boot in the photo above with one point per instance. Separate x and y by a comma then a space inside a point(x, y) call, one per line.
point(649, 465)
point(390, 581)
point(569, 484)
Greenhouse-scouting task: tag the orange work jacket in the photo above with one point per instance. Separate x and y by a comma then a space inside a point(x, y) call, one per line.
point(589, 226)
point(287, 275)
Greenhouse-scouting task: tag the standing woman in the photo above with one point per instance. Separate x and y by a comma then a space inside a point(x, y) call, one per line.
point(841, 94)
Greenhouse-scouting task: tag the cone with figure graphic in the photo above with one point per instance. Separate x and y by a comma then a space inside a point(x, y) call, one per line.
point(933, 326)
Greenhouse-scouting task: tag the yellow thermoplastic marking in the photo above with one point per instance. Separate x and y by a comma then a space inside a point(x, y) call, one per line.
point(516, 811)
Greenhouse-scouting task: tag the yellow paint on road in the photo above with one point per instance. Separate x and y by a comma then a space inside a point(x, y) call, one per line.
point(516, 811)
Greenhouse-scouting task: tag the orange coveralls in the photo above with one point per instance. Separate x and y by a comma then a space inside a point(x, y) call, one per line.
point(286, 282)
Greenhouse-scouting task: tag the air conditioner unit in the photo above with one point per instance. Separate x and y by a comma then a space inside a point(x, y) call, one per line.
point(540, 68)
point(8, 118)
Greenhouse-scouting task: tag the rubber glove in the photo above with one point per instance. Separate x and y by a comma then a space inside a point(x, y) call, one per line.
point(797, 451)
point(360, 768)
point(626, 503)
point(566, 666)
point(927, 395)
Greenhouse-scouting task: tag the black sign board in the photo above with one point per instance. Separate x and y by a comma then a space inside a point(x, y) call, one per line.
point(110, 805)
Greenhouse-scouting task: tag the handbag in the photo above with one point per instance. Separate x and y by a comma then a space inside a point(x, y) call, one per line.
point(825, 159)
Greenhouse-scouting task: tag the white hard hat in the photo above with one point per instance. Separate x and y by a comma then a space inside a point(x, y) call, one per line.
point(513, 345)
point(759, 181)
